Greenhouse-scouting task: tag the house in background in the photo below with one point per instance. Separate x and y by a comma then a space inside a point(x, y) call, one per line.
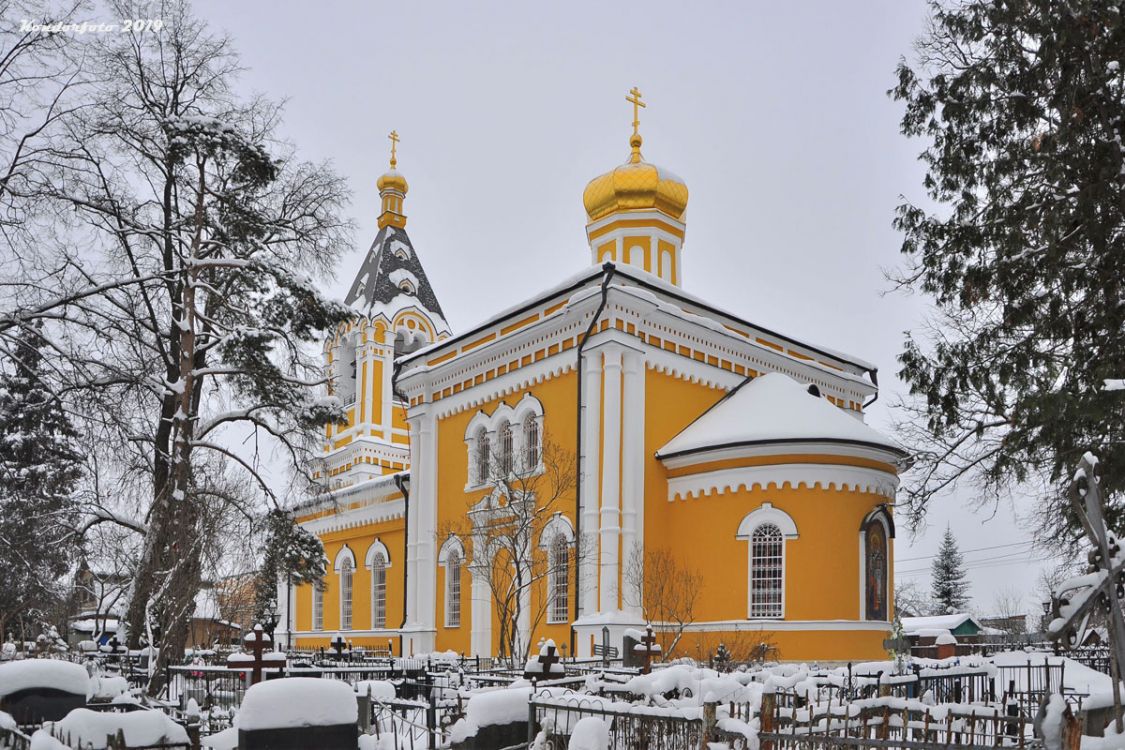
point(97, 601)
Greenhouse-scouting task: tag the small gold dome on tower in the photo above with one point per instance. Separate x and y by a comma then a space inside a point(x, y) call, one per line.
point(635, 185)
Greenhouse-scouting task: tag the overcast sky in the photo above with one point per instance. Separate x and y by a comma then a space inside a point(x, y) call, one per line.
point(776, 116)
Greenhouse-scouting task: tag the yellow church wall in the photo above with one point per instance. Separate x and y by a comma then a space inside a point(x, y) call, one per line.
point(359, 539)
point(671, 404)
point(668, 248)
point(821, 564)
point(813, 645)
point(557, 397)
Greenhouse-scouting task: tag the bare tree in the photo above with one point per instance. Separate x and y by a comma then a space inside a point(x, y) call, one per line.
point(911, 600)
point(504, 532)
point(666, 591)
point(175, 281)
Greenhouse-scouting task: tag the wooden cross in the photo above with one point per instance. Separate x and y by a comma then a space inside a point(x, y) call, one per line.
point(339, 645)
point(647, 647)
point(634, 98)
point(258, 643)
point(394, 148)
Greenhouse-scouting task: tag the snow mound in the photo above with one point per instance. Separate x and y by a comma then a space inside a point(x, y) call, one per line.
point(298, 702)
point(89, 729)
point(487, 708)
point(106, 688)
point(590, 733)
point(43, 673)
point(379, 689)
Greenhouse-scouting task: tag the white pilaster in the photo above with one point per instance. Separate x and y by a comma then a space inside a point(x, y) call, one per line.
point(388, 360)
point(480, 639)
point(591, 442)
point(609, 530)
point(413, 524)
point(632, 473)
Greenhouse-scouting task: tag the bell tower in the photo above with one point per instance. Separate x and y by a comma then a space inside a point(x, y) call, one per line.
point(396, 312)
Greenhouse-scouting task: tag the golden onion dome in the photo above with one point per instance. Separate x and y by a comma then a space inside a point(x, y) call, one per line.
point(635, 185)
point(392, 180)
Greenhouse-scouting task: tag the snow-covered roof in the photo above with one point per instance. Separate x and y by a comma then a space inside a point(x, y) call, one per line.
point(773, 408)
point(583, 284)
point(919, 625)
point(377, 287)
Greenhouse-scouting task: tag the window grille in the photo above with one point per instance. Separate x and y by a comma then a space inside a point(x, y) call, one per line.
point(453, 590)
point(531, 442)
point(560, 580)
point(378, 591)
point(766, 572)
point(505, 448)
point(318, 606)
point(346, 570)
point(483, 457)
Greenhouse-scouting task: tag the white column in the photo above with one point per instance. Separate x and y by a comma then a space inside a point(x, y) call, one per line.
point(610, 528)
point(633, 473)
point(591, 441)
point(427, 526)
point(284, 625)
point(413, 524)
point(481, 636)
point(387, 357)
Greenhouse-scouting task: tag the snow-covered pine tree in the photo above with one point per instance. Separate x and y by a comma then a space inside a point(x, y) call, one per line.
point(1019, 243)
point(948, 585)
point(291, 553)
point(39, 466)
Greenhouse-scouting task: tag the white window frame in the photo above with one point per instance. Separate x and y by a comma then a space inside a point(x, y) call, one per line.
point(766, 515)
point(554, 580)
point(452, 554)
point(531, 421)
point(377, 551)
point(317, 605)
point(378, 592)
point(505, 448)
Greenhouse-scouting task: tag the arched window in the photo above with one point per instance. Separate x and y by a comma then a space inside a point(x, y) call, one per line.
point(347, 570)
point(559, 580)
point(378, 591)
point(453, 589)
point(531, 449)
point(482, 457)
point(767, 571)
point(875, 570)
point(318, 606)
point(504, 448)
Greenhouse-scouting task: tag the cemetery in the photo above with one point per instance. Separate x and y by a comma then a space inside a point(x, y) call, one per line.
point(543, 473)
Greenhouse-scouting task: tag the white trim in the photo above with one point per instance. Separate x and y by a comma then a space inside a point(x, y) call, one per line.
point(345, 553)
point(451, 543)
point(375, 512)
point(766, 625)
point(770, 518)
point(767, 514)
point(377, 546)
point(558, 524)
point(609, 527)
point(826, 477)
point(882, 519)
point(758, 450)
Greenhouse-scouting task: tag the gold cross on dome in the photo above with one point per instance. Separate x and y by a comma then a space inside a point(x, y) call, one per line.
point(394, 146)
point(634, 98)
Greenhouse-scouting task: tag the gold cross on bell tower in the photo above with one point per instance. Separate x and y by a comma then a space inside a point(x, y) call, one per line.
point(634, 98)
point(394, 148)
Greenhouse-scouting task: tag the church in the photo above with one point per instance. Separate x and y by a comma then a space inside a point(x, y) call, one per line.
point(614, 452)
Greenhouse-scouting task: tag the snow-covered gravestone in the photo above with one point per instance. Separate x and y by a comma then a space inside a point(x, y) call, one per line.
point(545, 666)
point(38, 690)
point(297, 713)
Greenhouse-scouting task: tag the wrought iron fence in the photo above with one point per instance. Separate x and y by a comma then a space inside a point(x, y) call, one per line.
point(556, 718)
